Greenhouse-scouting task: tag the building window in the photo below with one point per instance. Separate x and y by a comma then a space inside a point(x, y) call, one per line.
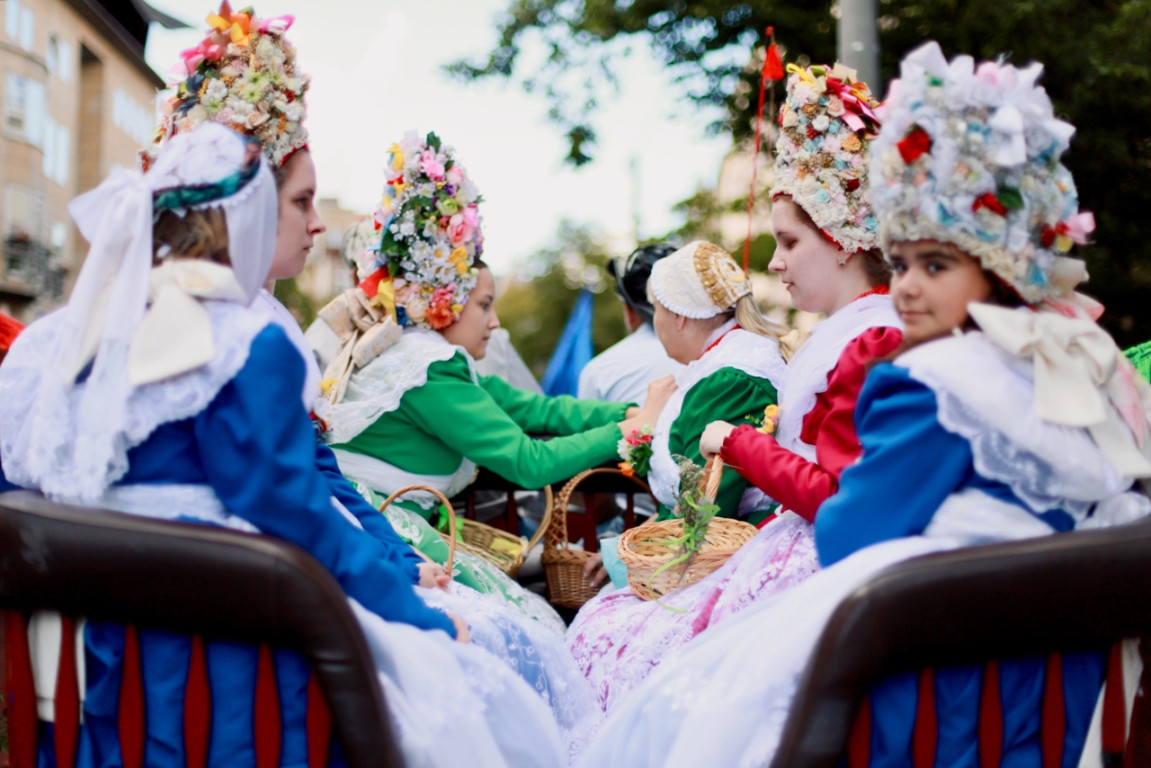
point(131, 118)
point(59, 58)
point(19, 23)
point(24, 101)
point(57, 146)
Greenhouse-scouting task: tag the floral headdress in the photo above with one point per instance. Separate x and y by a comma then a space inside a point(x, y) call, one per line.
point(970, 155)
point(243, 75)
point(821, 155)
point(421, 267)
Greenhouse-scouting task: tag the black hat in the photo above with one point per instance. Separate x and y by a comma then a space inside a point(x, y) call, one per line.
point(631, 274)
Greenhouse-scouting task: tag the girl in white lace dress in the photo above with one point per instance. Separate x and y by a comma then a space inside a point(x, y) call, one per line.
point(961, 442)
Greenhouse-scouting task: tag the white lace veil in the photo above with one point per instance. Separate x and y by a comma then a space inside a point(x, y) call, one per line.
point(73, 443)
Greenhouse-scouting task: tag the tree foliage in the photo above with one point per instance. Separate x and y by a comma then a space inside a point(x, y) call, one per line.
point(1098, 73)
point(535, 304)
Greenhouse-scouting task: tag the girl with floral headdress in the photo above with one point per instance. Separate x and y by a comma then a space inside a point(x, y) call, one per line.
point(827, 254)
point(267, 77)
point(407, 406)
point(157, 391)
point(1006, 414)
point(244, 75)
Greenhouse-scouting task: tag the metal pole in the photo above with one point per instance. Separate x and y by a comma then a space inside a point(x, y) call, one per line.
point(857, 39)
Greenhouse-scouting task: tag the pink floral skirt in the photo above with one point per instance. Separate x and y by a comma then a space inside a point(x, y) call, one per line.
point(618, 639)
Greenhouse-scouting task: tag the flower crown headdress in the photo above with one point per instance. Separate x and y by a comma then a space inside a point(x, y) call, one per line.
point(421, 267)
point(243, 75)
point(827, 122)
point(970, 155)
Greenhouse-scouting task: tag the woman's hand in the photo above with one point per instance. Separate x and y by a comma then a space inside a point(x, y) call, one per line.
point(433, 575)
point(711, 441)
point(658, 393)
point(595, 565)
point(462, 633)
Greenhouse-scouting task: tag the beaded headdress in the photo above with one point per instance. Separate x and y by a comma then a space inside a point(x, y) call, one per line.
point(700, 280)
point(821, 155)
point(970, 155)
point(242, 75)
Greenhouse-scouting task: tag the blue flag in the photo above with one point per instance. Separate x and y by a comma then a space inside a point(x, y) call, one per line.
point(573, 351)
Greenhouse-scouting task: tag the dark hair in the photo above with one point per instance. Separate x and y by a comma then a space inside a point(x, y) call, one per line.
point(198, 234)
point(631, 275)
point(875, 267)
point(280, 172)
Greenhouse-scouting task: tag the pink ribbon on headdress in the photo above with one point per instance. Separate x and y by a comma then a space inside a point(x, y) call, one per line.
point(853, 106)
point(207, 49)
point(1078, 227)
point(278, 25)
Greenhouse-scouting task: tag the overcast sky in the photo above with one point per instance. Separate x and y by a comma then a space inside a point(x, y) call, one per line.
point(376, 69)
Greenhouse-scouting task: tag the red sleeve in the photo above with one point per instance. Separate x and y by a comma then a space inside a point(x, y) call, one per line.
point(796, 483)
point(830, 426)
point(9, 330)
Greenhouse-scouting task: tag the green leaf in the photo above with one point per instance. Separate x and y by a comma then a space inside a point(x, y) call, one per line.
point(1010, 198)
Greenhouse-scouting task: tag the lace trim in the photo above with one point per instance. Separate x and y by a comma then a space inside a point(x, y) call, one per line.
point(986, 396)
point(96, 455)
point(380, 385)
point(751, 353)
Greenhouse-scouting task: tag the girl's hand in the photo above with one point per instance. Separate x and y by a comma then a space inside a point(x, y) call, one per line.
point(711, 441)
point(595, 566)
point(658, 393)
point(433, 575)
point(462, 633)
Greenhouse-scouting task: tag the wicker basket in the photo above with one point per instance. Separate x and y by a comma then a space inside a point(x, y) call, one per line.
point(563, 566)
point(478, 537)
point(451, 519)
point(645, 549)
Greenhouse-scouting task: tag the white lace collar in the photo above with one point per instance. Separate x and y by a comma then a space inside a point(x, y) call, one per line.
point(809, 368)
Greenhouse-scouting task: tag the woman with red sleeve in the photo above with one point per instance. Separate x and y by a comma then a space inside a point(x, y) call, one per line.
point(830, 263)
point(827, 254)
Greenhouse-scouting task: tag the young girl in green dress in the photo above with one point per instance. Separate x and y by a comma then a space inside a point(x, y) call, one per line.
point(417, 412)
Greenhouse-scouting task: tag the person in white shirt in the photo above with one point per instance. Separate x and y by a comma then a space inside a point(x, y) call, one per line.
point(622, 372)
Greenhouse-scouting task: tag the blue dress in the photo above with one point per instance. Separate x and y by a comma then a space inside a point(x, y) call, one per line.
point(255, 447)
point(910, 465)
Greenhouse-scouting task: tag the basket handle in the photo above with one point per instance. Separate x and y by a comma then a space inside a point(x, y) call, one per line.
point(560, 538)
point(451, 517)
point(549, 511)
point(712, 475)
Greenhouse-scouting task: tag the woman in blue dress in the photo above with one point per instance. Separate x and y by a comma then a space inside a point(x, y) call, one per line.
point(1008, 413)
point(158, 391)
point(533, 649)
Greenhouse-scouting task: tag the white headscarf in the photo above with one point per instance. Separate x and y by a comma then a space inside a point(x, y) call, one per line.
point(142, 324)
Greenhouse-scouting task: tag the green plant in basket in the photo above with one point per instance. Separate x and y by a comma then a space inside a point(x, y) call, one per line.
point(696, 510)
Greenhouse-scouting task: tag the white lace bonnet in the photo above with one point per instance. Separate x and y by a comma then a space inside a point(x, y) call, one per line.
point(970, 155)
point(131, 322)
point(700, 280)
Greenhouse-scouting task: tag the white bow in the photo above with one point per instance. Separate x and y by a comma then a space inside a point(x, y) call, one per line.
point(175, 335)
point(1080, 379)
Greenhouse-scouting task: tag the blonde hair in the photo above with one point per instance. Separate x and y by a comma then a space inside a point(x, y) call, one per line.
point(749, 317)
point(198, 234)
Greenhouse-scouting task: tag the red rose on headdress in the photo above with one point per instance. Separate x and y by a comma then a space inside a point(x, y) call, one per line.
point(439, 314)
point(914, 145)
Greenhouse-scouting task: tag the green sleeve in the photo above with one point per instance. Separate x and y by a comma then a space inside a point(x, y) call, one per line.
point(564, 415)
point(1140, 357)
point(467, 419)
point(727, 395)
